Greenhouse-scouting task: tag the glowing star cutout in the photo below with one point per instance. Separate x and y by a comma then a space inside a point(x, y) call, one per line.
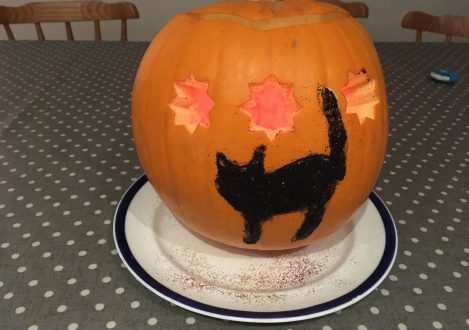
point(361, 96)
point(191, 105)
point(271, 107)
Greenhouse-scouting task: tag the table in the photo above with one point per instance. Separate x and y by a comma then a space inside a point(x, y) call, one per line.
point(67, 156)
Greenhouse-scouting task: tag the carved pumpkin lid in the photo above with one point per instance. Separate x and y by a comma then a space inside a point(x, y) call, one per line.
point(265, 10)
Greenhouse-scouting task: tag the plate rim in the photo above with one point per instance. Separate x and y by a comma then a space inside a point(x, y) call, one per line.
point(361, 291)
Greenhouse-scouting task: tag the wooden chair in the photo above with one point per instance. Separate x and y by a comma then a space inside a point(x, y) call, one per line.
point(356, 9)
point(449, 25)
point(67, 12)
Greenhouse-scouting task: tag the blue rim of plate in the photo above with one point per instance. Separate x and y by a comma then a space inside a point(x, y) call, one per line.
point(366, 287)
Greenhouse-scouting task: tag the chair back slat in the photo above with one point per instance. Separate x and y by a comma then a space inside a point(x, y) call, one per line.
point(9, 32)
point(68, 29)
point(40, 33)
point(418, 37)
point(97, 31)
point(356, 9)
point(68, 11)
point(449, 25)
point(124, 30)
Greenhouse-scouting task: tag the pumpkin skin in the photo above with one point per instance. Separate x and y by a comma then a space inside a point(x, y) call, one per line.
point(232, 47)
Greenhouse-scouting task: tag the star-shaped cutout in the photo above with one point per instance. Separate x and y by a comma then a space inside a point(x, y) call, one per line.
point(271, 107)
point(361, 96)
point(192, 104)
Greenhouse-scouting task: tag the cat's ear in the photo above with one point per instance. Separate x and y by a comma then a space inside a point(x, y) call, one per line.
point(222, 160)
point(258, 157)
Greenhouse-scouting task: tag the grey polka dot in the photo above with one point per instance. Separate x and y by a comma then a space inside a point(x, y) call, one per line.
point(111, 324)
point(106, 279)
point(8, 295)
point(437, 325)
point(84, 292)
point(409, 308)
point(152, 321)
point(48, 294)
point(418, 290)
point(61, 308)
point(72, 326)
point(20, 310)
point(99, 307)
point(441, 306)
point(402, 326)
point(374, 310)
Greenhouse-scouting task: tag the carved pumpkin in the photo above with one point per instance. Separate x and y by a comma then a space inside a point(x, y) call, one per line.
point(261, 124)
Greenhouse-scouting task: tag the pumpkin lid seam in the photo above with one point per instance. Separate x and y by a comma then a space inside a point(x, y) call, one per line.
point(271, 23)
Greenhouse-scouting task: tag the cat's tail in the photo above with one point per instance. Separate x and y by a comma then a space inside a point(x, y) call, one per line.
point(336, 131)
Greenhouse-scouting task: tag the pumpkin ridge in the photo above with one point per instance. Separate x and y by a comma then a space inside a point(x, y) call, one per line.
point(271, 23)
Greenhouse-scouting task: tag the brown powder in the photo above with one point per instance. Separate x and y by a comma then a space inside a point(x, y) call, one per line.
point(265, 284)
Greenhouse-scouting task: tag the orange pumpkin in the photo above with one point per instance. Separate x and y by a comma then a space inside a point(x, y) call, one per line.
point(261, 124)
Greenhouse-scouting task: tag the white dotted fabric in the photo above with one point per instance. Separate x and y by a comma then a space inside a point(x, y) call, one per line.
point(67, 156)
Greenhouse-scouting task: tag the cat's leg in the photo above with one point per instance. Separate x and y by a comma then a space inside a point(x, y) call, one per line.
point(311, 221)
point(252, 230)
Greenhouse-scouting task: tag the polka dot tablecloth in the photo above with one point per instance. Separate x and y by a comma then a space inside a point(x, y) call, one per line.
point(67, 156)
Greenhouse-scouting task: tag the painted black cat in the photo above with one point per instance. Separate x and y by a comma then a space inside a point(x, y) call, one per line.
point(306, 184)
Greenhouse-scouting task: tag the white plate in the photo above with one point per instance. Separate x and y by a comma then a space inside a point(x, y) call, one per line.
point(252, 286)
